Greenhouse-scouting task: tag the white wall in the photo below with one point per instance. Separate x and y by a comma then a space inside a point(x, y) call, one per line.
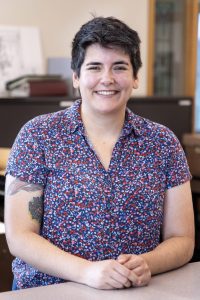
point(59, 20)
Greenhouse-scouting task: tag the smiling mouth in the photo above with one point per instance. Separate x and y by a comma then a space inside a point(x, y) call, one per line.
point(106, 93)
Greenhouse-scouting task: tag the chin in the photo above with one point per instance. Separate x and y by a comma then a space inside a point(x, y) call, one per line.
point(110, 109)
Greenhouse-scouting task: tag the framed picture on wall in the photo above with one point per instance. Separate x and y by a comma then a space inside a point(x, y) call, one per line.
point(20, 53)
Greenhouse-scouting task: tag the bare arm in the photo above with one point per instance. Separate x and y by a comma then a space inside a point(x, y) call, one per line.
point(178, 231)
point(23, 217)
point(178, 237)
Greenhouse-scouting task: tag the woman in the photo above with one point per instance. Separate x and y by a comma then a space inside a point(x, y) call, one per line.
point(94, 193)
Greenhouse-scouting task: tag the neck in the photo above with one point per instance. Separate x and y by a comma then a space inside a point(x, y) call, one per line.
point(103, 124)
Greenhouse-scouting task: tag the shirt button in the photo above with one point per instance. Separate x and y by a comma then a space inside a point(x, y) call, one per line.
point(107, 189)
point(108, 184)
point(107, 216)
point(108, 205)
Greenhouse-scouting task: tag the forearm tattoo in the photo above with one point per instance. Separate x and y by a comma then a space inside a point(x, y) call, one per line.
point(17, 185)
point(35, 207)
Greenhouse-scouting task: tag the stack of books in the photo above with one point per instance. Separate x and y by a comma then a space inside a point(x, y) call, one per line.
point(37, 85)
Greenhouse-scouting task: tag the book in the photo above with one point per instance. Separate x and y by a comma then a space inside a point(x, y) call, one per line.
point(33, 86)
point(17, 82)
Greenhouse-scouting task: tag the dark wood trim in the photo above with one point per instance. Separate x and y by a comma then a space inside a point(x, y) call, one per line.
point(191, 40)
point(191, 32)
point(150, 52)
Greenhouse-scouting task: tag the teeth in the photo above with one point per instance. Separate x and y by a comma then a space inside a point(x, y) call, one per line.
point(106, 93)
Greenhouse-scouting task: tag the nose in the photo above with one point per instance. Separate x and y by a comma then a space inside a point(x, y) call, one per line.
point(107, 77)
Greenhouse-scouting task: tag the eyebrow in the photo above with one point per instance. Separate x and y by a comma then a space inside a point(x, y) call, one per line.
point(120, 62)
point(93, 63)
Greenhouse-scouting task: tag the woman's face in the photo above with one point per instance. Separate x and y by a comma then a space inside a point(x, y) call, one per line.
point(106, 80)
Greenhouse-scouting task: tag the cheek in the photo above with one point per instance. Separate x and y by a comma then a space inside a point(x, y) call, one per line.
point(126, 82)
point(89, 82)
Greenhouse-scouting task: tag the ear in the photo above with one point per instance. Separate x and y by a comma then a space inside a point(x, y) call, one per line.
point(75, 80)
point(135, 83)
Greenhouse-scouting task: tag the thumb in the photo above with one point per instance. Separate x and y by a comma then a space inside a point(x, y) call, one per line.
point(123, 258)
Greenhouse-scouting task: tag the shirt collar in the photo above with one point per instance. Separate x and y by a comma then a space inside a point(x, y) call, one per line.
point(133, 123)
point(75, 117)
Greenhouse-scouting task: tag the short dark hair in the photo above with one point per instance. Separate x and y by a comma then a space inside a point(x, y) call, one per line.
point(108, 32)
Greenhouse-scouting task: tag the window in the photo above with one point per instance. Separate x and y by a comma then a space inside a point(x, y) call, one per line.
point(173, 39)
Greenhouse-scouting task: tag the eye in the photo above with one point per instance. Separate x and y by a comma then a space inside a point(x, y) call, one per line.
point(120, 68)
point(94, 68)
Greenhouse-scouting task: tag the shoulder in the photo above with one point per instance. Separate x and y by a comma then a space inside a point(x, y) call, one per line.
point(155, 132)
point(155, 137)
point(48, 121)
point(47, 125)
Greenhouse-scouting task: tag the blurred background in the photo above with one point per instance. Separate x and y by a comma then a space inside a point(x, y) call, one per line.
point(35, 74)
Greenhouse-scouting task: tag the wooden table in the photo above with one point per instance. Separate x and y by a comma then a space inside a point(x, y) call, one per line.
point(181, 284)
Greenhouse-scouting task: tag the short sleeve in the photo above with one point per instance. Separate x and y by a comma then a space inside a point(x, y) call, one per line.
point(177, 169)
point(27, 157)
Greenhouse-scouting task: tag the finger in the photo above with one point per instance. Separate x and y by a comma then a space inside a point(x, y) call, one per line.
point(122, 270)
point(143, 281)
point(134, 278)
point(115, 284)
point(120, 285)
point(139, 271)
point(123, 258)
point(106, 286)
point(128, 284)
point(133, 263)
point(124, 281)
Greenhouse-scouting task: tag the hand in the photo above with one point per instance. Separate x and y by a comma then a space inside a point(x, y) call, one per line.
point(107, 274)
point(140, 273)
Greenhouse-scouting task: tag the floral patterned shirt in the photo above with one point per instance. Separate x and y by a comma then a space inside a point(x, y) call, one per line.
point(88, 211)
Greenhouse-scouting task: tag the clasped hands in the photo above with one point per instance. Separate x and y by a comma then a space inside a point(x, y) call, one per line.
point(128, 270)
